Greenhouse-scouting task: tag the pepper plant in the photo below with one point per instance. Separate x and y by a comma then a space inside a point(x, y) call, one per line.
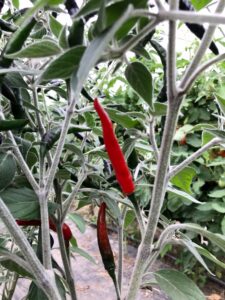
point(52, 153)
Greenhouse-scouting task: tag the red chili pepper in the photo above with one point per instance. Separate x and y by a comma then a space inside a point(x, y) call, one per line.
point(103, 242)
point(67, 233)
point(122, 172)
point(221, 153)
point(183, 141)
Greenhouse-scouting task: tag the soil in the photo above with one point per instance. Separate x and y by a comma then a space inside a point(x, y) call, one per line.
point(93, 283)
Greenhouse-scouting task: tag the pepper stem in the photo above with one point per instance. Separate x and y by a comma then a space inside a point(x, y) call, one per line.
point(115, 282)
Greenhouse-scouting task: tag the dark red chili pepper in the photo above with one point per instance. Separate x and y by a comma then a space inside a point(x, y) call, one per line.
point(103, 242)
point(122, 172)
point(67, 233)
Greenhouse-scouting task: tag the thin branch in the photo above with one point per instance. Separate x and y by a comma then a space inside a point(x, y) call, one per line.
point(171, 56)
point(152, 137)
point(187, 17)
point(193, 157)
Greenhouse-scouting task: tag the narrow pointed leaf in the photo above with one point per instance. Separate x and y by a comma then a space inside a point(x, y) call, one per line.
point(42, 48)
point(64, 65)
point(177, 285)
point(12, 124)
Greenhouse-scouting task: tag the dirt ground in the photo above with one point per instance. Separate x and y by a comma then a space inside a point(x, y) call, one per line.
point(93, 283)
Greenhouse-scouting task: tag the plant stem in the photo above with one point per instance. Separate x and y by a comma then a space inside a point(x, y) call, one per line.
point(66, 264)
point(115, 282)
point(45, 233)
point(156, 203)
point(159, 189)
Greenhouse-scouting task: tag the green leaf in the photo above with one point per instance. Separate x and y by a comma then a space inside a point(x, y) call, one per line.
point(122, 118)
point(177, 285)
point(83, 253)
point(23, 203)
point(73, 242)
point(54, 2)
point(15, 80)
point(199, 4)
point(200, 127)
point(219, 206)
point(217, 194)
point(191, 247)
point(129, 219)
point(76, 33)
point(140, 80)
point(7, 170)
point(183, 195)
point(43, 48)
point(55, 26)
point(206, 137)
point(35, 293)
point(63, 38)
point(16, 3)
point(75, 150)
point(221, 101)
point(184, 179)
point(209, 255)
point(19, 37)
point(78, 220)
point(141, 51)
point(101, 23)
point(217, 239)
point(217, 133)
point(160, 109)
point(24, 145)
point(128, 147)
point(12, 124)
point(64, 65)
point(12, 266)
point(182, 131)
